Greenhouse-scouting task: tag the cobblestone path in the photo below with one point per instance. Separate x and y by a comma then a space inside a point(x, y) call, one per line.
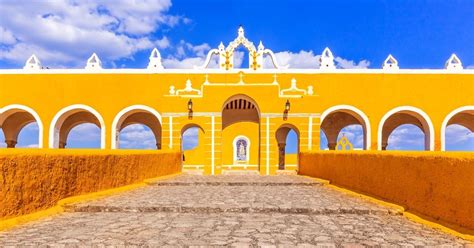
point(237, 210)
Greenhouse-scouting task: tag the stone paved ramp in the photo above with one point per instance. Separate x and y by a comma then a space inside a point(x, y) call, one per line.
point(228, 211)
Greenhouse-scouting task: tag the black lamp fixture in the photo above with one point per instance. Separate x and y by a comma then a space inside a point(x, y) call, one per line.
point(287, 106)
point(190, 105)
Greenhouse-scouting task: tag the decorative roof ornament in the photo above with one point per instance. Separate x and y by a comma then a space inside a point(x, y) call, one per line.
point(327, 60)
point(33, 63)
point(226, 54)
point(453, 63)
point(390, 63)
point(155, 60)
point(94, 63)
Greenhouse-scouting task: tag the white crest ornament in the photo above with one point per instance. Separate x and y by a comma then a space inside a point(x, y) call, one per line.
point(390, 63)
point(453, 63)
point(33, 63)
point(327, 60)
point(155, 60)
point(94, 63)
point(226, 54)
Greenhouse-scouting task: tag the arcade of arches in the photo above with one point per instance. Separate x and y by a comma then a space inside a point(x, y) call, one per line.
point(239, 118)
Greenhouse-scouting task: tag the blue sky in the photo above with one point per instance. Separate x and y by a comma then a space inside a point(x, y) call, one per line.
point(420, 34)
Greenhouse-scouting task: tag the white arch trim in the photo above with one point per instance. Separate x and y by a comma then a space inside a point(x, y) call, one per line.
point(121, 116)
point(355, 110)
point(446, 120)
point(247, 150)
point(406, 108)
point(33, 113)
point(58, 120)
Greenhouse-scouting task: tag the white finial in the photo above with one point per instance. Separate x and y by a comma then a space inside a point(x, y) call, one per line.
point(293, 83)
point(206, 81)
point(275, 79)
point(172, 91)
point(327, 60)
point(94, 62)
point(241, 75)
point(32, 63)
point(390, 63)
point(241, 31)
point(260, 46)
point(453, 63)
point(221, 46)
point(155, 60)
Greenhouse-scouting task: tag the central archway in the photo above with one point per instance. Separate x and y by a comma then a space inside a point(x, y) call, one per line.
point(240, 133)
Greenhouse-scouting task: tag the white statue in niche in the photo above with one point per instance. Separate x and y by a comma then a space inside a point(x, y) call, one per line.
point(241, 150)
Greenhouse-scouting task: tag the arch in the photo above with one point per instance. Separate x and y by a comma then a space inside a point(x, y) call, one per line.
point(127, 112)
point(448, 120)
point(79, 111)
point(352, 115)
point(281, 136)
point(239, 108)
point(406, 115)
point(12, 109)
point(247, 149)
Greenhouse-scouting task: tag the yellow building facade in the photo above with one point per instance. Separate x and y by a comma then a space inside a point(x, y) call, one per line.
point(243, 115)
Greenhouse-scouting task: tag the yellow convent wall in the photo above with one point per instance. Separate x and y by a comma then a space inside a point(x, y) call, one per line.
point(36, 179)
point(434, 184)
point(422, 97)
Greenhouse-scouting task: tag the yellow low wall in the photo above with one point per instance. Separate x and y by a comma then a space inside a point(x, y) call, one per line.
point(36, 179)
point(438, 185)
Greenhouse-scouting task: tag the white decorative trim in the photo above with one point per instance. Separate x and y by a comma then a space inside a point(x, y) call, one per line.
point(327, 60)
point(294, 90)
point(213, 145)
point(247, 150)
point(390, 63)
point(358, 112)
point(30, 111)
point(59, 118)
point(93, 62)
point(310, 133)
point(410, 109)
point(155, 60)
point(453, 63)
point(267, 129)
point(123, 114)
point(32, 63)
point(171, 132)
point(188, 90)
point(446, 120)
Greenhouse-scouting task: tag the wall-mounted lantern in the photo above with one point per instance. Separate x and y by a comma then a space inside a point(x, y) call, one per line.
point(287, 106)
point(190, 105)
point(190, 109)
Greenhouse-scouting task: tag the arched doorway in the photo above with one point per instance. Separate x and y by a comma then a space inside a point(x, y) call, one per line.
point(15, 120)
point(141, 120)
point(457, 130)
point(287, 137)
point(240, 133)
point(73, 116)
point(192, 147)
point(345, 119)
point(402, 116)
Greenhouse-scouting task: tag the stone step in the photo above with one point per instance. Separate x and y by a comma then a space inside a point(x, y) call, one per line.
point(223, 183)
point(211, 210)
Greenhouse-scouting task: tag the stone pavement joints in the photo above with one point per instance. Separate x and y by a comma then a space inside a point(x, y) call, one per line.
point(242, 211)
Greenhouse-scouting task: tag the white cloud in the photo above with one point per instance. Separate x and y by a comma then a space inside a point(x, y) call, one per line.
point(470, 67)
point(137, 136)
point(67, 32)
point(406, 137)
point(86, 132)
point(307, 59)
point(458, 135)
point(350, 64)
